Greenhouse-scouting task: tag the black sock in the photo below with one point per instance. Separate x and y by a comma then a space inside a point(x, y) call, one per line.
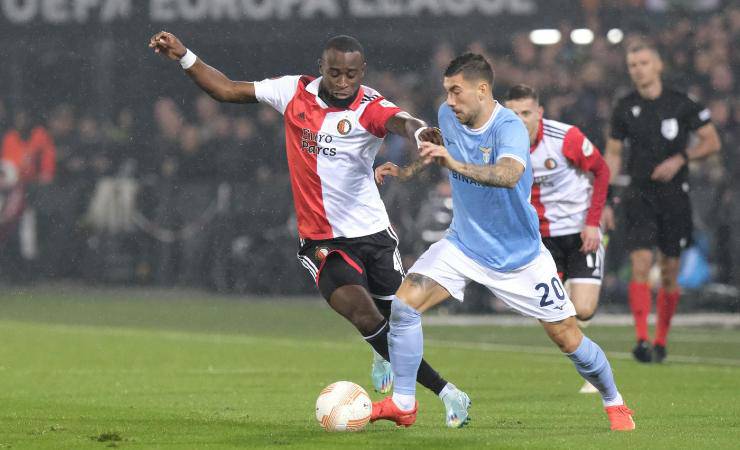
point(426, 376)
point(384, 306)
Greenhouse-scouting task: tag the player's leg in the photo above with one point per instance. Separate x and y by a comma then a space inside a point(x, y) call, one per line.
point(641, 229)
point(591, 362)
point(584, 273)
point(385, 273)
point(640, 301)
point(674, 234)
point(535, 290)
point(430, 282)
point(666, 303)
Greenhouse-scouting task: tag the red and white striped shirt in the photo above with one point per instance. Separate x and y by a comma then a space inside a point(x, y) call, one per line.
point(562, 193)
point(330, 156)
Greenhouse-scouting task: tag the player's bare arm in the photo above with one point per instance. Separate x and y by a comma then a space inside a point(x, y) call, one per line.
point(708, 143)
point(613, 157)
point(402, 173)
point(404, 124)
point(211, 80)
point(505, 173)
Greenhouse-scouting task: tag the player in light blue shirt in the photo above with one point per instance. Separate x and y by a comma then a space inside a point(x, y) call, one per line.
point(493, 240)
point(498, 228)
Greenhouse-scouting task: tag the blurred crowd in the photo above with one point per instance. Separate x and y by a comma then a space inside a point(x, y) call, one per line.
point(197, 193)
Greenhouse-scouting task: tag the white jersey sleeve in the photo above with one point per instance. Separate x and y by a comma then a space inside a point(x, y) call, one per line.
point(276, 92)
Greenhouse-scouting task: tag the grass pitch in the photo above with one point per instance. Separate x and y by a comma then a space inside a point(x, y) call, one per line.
point(94, 369)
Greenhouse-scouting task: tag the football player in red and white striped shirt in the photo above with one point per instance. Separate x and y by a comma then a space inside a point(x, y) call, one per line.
point(334, 127)
point(569, 192)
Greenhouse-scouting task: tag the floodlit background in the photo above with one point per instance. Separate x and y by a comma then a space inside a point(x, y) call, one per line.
point(150, 293)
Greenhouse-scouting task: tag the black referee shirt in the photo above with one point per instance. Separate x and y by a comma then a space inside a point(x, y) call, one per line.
point(656, 129)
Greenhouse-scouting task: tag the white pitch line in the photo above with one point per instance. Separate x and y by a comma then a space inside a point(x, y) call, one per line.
point(293, 342)
point(721, 320)
point(486, 346)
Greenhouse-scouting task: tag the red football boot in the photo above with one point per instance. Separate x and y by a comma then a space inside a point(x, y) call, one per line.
point(620, 417)
point(387, 410)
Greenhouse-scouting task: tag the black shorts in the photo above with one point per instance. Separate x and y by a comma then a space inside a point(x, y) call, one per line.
point(659, 217)
point(375, 258)
point(571, 263)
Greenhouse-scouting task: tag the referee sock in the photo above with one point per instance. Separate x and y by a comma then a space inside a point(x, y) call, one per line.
point(591, 363)
point(426, 375)
point(665, 305)
point(640, 300)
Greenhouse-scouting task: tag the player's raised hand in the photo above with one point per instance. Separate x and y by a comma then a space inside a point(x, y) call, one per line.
point(168, 45)
point(386, 169)
point(591, 238)
point(430, 153)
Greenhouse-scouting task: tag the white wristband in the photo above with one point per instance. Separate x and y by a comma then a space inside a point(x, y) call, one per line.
point(188, 60)
point(416, 136)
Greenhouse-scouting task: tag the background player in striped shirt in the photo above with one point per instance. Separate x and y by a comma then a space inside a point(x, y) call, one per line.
point(493, 240)
point(567, 201)
point(334, 127)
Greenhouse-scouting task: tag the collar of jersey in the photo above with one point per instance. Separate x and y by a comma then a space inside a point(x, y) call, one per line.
point(313, 88)
point(488, 123)
point(538, 139)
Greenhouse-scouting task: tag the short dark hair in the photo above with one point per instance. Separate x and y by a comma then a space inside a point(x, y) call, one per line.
point(522, 91)
point(346, 44)
point(639, 45)
point(472, 66)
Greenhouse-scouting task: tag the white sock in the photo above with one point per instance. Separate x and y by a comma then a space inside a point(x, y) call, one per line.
point(449, 387)
point(405, 402)
point(616, 402)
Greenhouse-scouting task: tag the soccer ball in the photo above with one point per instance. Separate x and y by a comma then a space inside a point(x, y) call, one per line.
point(343, 406)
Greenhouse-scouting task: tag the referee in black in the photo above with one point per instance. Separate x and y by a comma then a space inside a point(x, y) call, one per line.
point(656, 122)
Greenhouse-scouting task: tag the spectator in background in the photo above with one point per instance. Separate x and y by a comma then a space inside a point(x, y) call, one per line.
point(30, 149)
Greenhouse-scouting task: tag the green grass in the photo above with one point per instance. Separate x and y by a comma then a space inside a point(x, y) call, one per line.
point(97, 369)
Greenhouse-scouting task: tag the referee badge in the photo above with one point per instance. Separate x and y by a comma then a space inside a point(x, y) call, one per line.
point(486, 154)
point(669, 128)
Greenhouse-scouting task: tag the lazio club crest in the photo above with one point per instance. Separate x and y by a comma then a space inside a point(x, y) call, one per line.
point(486, 154)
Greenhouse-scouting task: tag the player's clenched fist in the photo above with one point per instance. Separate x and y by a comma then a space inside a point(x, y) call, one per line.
point(168, 45)
point(431, 134)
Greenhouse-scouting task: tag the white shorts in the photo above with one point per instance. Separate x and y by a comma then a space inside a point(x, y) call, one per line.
point(533, 290)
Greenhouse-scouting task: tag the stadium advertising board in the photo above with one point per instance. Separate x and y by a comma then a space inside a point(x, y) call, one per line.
point(60, 12)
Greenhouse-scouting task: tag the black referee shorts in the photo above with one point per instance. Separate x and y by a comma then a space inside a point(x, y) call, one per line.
point(658, 217)
point(371, 261)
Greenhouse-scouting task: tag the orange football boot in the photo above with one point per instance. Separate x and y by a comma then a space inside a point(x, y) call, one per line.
point(620, 417)
point(387, 410)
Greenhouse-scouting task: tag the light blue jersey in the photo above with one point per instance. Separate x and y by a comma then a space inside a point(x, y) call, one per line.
point(496, 227)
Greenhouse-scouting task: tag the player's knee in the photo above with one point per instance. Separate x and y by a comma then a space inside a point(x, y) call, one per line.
point(403, 315)
point(584, 313)
point(566, 335)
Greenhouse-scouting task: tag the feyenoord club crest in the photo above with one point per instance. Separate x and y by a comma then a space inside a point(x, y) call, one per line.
point(636, 111)
point(344, 127)
point(669, 128)
point(486, 154)
point(321, 253)
point(550, 164)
